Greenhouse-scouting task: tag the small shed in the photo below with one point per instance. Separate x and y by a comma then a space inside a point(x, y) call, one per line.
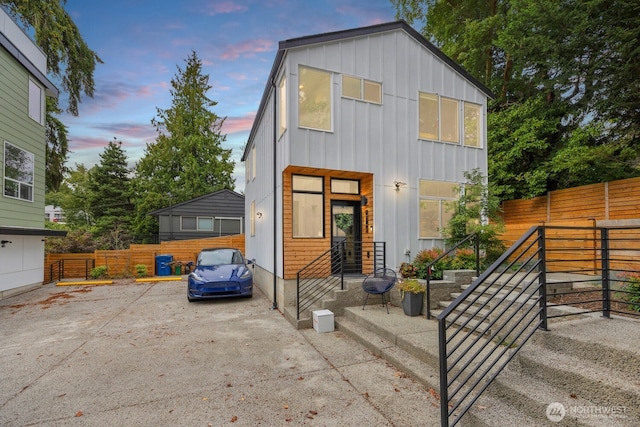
point(220, 213)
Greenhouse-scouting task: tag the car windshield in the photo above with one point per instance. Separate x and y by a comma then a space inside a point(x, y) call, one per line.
point(219, 257)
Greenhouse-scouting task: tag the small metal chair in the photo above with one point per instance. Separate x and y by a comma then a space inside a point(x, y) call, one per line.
point(379, 282)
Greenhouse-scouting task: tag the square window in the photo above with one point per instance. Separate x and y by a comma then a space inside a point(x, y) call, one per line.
point(373, 92)
point(351, 87)
point(189, 223)
point(18, 172)
point(205, 224)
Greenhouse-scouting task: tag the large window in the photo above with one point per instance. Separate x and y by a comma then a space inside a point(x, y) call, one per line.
point(472, 124)
point(314, 99)
point(439, 120)
point(364, 90)
point(18, 173)
point(434, 210)
point(36, 102)
point(308, 202)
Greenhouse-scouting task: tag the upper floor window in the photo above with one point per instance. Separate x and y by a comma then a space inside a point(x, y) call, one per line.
point(282, 89)
point(439, 120)
point(364, 90)
point(472, 124)
point(18, 172)
point(36, 102)
point(314, 99)
point(434, 213)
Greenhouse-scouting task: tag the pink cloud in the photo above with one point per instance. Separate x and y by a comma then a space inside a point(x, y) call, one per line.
point(217, 7)
point(247, 49)
point(238, 124)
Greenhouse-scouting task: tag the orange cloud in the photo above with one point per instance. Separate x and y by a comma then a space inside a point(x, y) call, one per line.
point(238, 124)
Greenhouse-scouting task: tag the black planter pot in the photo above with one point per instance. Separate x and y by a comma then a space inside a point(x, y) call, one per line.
point(412, 303)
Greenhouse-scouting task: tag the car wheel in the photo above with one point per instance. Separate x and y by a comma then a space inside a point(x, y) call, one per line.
point(189, 298)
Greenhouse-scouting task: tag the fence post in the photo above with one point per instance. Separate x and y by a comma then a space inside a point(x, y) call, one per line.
point(606, 294)
point(298, 295)
point(542, 278)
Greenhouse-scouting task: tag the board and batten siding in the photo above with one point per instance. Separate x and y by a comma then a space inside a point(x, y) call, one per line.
point(18, 129)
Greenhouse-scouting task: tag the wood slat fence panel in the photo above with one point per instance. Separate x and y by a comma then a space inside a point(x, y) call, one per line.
point(121, 263)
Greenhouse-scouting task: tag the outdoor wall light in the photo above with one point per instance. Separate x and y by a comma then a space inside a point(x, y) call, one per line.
point(3, 243)
point(399, 184)
point(259, 214)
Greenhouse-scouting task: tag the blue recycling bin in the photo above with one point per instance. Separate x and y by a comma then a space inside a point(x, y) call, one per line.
point(163, 267)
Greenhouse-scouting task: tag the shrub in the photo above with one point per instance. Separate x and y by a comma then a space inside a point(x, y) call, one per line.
point(425, 257)
point(632, 289)
point(141, 270)
point(98, 272)
point(411, 285)
point(408, 270)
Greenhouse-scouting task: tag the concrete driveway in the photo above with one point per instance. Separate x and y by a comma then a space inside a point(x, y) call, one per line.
point(139, 354)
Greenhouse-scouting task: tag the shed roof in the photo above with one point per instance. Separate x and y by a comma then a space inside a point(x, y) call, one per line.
point(213, 194)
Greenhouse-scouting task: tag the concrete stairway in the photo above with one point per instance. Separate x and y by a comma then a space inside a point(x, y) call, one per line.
point(589, 368)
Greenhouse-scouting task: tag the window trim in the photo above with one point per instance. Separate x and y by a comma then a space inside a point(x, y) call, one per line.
point(282, 106)
point(441, 206)
point(312, 192)
point(40, 102)
point(330, 91)
point(363, 96)
point(5, 178)
point(357, 181)
point(460, 121)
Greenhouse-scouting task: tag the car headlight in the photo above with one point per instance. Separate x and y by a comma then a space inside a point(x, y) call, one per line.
point(245, 274)
point(196, 277)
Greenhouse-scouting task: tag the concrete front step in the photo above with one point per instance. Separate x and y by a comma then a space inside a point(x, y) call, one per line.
point(602, 372)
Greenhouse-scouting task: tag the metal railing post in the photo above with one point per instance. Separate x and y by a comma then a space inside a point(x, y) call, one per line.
point(298, 295)
point(606, 291)
point(428, 293)
point(444, 387)
point(542, 280)
point(476, 247)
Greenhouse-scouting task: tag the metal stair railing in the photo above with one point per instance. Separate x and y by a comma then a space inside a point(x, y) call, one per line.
point(327, 271)
point(476, 248)
point(547, 269)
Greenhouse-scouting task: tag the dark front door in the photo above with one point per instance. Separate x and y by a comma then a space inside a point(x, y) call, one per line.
point(346, 227)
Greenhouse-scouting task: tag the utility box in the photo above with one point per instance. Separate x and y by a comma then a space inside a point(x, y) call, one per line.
point(323, 320)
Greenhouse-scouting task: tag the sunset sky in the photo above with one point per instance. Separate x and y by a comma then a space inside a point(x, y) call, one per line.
point(142, 42)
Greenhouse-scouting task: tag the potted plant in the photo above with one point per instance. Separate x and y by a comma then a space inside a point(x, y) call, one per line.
point(412, 294)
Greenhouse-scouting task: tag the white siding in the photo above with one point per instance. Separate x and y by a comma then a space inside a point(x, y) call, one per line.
point(380, 139)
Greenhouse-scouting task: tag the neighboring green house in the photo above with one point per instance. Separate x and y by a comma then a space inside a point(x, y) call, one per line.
point(23, 88)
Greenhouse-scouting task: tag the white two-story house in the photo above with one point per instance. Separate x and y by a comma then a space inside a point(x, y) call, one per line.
point(23, 88)
point(362, 136)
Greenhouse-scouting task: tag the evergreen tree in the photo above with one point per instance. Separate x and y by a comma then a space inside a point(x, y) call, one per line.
point(187, 159)
point(567, 107)
point(69, 60)
point(109, 204)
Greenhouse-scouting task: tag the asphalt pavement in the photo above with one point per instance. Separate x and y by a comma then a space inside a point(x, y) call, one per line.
point(140, 354)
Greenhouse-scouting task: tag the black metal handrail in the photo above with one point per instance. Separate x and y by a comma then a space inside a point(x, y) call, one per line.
point(476, 247)
point(326, 272)
point(485, 327)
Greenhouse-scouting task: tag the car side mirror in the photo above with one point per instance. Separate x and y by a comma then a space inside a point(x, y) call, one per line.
point(249, 262)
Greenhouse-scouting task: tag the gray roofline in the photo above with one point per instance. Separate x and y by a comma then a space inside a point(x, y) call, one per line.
point(25, 231)
point(285, 45)
point(159, 211)
point(51, 89)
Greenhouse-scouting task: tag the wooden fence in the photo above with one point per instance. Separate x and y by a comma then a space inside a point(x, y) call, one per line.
point(605, 204)
point(122, 262)
point(608, 201)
